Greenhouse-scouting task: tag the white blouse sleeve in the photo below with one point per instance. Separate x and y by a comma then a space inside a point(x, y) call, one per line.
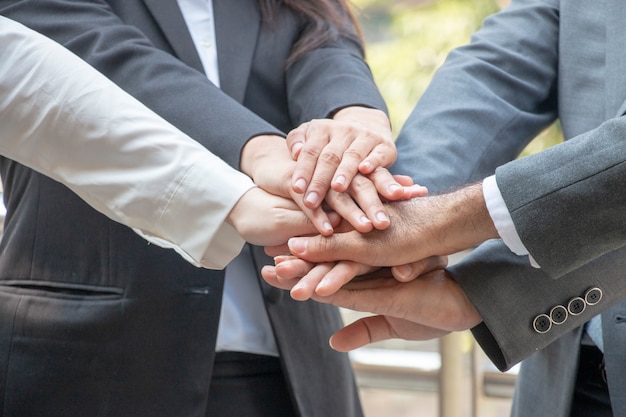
point(62, 118)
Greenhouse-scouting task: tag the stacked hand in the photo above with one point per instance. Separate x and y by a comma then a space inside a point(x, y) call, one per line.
point(377, 248)
point(359, 200)
point(415, 298)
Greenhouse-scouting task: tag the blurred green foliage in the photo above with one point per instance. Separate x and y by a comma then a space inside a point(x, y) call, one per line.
point(407, 40)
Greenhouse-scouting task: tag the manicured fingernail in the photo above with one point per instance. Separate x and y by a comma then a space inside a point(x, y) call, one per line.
point(382, 217)
point(312, 198)
point(297, 246)
point(300, 184)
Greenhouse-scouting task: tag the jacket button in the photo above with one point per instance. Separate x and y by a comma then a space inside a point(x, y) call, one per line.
point(593, 296)
point(542, 323)
point(558, 314)
point(576, 306)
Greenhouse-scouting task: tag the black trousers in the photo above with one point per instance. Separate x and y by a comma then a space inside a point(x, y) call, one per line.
point(247, 385)
point(591, 393)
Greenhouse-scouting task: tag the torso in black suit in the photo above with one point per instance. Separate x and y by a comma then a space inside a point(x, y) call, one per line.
point(96, 322)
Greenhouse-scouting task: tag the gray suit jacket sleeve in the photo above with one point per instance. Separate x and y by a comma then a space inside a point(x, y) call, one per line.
point(568, 202)
point(509, 294)
point(488, 100)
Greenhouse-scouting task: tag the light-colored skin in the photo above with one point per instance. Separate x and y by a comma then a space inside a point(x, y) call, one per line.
point(427, 307)
point(282, 218)
point(428, 304)
point(420, 229)
point(356, 140)
point(267, 160)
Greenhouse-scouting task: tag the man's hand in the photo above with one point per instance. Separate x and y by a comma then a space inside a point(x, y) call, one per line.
point(420, 228)
point(424, 308)
point(305, 279)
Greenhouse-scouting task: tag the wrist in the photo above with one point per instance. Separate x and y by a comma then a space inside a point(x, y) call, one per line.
point(361, 114)
point(258, 148)
point(467, 222)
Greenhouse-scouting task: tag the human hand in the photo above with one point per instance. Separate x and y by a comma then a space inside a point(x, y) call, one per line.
point(420, 228)
point(305, 279)
point(427, 307)
point(266, 160)
point(330, 152)
point(361, 204)
point(265, 219)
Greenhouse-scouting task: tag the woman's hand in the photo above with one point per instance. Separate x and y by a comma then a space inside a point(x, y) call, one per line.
point(330, 152)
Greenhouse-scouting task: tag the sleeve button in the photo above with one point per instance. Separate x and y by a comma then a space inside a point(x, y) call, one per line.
point(558, 314)
point(542, 323)
point(593, 296)
point(576, 306)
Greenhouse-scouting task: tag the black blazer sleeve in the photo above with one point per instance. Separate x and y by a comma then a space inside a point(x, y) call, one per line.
point(175, 91)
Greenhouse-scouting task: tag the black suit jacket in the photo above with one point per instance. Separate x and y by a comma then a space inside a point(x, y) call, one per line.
point(95, 321)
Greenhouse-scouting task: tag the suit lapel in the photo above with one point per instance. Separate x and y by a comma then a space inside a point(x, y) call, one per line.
point(237, 25)
point(171, 21)
point(616, 59)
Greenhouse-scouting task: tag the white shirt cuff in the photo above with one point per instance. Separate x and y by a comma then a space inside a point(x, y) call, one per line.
point(502, 219)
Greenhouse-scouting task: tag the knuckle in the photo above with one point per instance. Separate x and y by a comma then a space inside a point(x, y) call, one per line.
point(330, 157)
point(354, 154)
point(310, 152)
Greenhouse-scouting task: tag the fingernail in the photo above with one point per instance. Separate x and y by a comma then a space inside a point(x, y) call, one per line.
point(404, 271)
point(393, 188)
point(295, 149)
point(297, 246)
point(328, 227)
point(341, 180)
point(382, 217)
point(280, 258)
point(367, 165)
point(365, 220)
point(312, 198)
point(330, 343)
point(300, 184)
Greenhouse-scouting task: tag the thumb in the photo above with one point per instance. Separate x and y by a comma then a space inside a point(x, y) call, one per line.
point(320, 248)
point(348, 246)
point(360, 333)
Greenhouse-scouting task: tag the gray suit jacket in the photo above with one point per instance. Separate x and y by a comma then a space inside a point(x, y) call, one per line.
point(95, 322)
point(534, 62)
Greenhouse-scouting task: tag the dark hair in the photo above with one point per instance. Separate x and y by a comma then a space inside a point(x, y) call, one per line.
point(327, 21)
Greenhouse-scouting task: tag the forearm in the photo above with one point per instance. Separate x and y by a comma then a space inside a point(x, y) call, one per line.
point(121, 158)
point(462, 219)
point(124, 54)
